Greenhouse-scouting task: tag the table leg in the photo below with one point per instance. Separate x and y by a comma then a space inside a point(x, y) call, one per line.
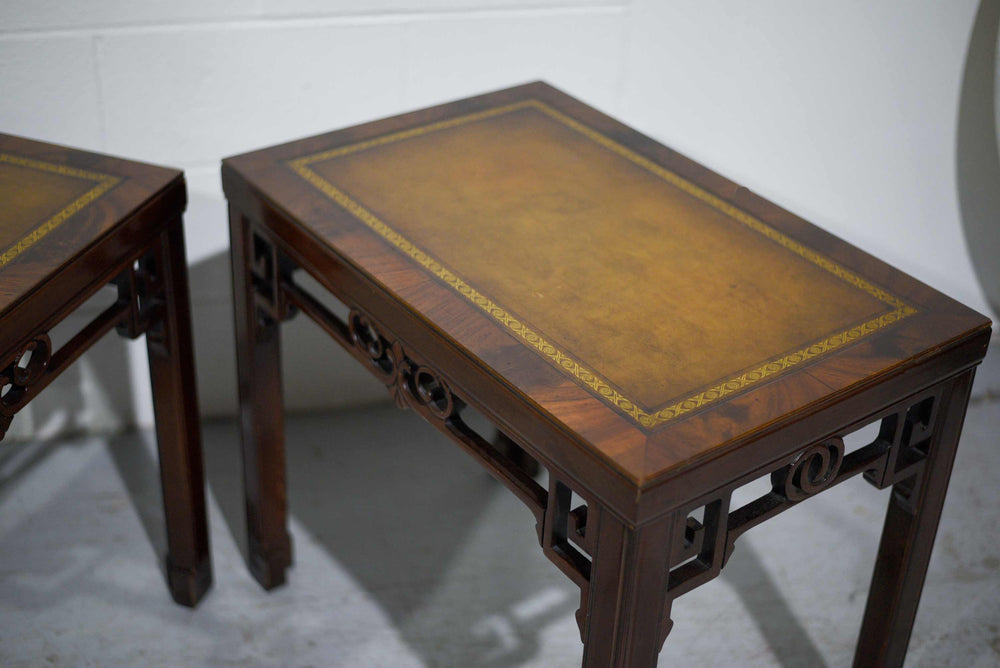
point(178, 435)
point(258, 353)
point(908, 537)
point(628, 609)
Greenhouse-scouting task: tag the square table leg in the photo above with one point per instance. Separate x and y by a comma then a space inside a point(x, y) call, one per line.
point(258, 353)
point(908, 537)
point(175, 404)
point(628, 606)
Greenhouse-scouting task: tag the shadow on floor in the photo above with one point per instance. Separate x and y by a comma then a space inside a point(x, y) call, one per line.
point(418, 524)
point(784, 633)
point(139, 471)
point(18, 459)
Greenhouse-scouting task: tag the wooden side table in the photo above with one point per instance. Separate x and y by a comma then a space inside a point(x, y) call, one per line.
point(653, 335)
point(71, 223)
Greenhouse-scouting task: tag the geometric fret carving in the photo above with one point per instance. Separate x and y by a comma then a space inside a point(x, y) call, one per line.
point(914, 441)
point(698, 552)
point(566, 543)
point(140, 287)
point(268, 269)
point(263, 273)
point(894, 458)
point(910, 431)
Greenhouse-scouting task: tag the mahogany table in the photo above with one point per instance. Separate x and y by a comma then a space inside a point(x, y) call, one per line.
point(71, 223)
point(650, 333)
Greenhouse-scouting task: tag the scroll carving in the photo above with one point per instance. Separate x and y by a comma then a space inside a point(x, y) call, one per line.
point(29, 363)
point(24, 369)
point(412, 385)
point(19, 373)
point(811, 471)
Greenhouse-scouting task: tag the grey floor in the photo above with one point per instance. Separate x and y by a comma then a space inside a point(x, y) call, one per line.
point(407, 554)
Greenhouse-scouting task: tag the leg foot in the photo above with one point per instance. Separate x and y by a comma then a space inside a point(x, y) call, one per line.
point(188, 586)
point(268, 568)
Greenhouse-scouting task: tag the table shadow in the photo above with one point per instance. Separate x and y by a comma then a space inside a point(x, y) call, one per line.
point(139, 470)
point(413, 521)
point(770, 612)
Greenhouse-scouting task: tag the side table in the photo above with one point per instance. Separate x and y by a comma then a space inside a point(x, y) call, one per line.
point(71, 223)
point(653, 335)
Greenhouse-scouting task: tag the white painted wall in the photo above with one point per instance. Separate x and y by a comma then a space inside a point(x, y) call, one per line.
point(844, 113)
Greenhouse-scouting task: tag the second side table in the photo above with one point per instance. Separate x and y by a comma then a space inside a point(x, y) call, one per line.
point(72, 222)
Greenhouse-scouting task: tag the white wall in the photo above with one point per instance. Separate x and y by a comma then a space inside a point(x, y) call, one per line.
point(842, 112)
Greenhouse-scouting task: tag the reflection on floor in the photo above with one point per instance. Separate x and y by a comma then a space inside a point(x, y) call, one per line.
point(407, 554)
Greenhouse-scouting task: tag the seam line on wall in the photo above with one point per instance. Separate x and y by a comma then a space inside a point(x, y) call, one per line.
point(316, 20)
point(102, 121)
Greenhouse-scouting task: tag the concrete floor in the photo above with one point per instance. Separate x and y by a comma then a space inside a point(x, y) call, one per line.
point(407, 554)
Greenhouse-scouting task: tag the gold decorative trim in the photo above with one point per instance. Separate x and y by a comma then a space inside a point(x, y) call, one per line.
point(105, 182)
point(588, 376)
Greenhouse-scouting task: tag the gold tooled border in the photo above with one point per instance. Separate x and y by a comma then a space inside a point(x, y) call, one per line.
point(587, 376)
point(105, 182)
